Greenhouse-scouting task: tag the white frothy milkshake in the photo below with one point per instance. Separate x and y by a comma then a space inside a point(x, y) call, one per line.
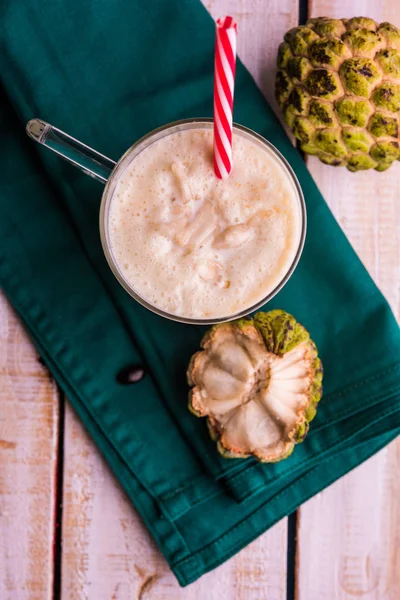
point(195, 246)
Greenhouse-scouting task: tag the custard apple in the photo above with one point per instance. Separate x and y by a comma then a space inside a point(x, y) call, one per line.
point(338, 84)
point(258, 381)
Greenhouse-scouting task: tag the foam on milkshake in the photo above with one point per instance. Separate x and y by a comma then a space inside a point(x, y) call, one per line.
point(195, 246)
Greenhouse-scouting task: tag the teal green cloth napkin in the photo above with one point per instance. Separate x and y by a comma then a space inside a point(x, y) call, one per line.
point(108, 72)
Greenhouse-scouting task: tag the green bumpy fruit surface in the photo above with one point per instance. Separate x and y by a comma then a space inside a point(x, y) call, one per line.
point(338, 85)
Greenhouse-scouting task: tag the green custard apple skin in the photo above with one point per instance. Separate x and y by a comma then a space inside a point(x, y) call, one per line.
point(338, 85)
point(258, 381)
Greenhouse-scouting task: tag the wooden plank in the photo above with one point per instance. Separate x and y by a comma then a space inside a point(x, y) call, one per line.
point(29, 414)
point(261, 27)
point(348, 536)
point(107, 552)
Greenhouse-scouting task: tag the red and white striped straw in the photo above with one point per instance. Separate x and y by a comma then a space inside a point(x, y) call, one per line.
point(224, 80)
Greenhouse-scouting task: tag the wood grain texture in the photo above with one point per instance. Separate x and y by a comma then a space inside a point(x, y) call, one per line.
point(261, 27)
point(107, 552)
point(28, 456)
point(349, 535)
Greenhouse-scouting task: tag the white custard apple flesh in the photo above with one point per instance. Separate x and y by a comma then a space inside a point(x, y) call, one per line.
point(258, 382)
point(338, 85)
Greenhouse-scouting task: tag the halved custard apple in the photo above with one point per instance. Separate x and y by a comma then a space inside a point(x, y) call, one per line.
point(258, 381)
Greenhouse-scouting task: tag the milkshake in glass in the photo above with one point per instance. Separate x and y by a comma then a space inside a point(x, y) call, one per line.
point(196, 247)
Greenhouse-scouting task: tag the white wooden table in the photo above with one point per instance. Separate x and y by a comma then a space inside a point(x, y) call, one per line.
point(67, 530)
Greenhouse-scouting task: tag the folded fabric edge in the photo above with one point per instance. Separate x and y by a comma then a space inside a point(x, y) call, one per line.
point(251, 479)
point(367, 391)
point(187, 571)
point(249, 483)
point(189, 566)
point(256, 476)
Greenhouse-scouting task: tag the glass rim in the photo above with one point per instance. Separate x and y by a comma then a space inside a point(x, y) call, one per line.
point(107, 195)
